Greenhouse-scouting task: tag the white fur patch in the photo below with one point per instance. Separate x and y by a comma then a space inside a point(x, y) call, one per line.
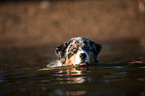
point(56, 63)
point(78, 58)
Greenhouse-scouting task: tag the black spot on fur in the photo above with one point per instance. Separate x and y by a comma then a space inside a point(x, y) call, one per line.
point(77, 42)
point(70, 55)
point(96, 48)
point(60, 50)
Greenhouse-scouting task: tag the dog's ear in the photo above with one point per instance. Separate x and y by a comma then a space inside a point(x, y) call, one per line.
point(60, 50)
point(95, 47)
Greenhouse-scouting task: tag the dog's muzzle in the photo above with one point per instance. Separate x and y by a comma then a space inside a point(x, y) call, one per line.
point(82, 58)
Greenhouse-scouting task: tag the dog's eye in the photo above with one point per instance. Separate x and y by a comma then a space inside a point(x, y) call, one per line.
point(74, 49)
point(86, 47)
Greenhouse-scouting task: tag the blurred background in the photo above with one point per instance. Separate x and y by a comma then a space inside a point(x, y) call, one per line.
point(28, 25)
point(31, 30)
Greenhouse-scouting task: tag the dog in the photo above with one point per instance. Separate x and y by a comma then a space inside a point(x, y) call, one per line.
point(75, 52)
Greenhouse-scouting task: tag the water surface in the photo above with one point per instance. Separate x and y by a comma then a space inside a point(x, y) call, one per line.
point(121, 72)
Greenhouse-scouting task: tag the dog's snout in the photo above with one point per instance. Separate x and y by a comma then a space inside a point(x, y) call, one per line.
point(83, 55)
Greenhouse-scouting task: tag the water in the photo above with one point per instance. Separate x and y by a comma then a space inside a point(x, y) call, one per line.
point(121, 72)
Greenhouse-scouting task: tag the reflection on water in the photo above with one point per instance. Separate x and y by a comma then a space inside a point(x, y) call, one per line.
point(72, 76)
point(120, 73)
point(124, 79)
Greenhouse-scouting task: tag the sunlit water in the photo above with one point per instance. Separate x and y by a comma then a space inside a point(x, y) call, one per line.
point(121, 72)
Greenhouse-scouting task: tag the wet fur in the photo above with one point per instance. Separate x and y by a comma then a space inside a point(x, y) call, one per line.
point(66, 57)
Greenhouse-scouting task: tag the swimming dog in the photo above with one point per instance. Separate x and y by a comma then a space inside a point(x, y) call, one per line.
point(77, 51)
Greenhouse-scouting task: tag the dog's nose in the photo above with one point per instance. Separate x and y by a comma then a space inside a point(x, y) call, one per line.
point(83, 55)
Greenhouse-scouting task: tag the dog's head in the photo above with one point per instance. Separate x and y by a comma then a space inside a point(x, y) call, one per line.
point(78, 51)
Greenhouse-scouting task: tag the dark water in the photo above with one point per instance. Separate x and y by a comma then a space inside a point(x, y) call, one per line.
point(120, 73)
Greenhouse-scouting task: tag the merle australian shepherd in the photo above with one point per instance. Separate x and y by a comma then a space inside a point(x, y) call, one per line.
point(75, 52)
